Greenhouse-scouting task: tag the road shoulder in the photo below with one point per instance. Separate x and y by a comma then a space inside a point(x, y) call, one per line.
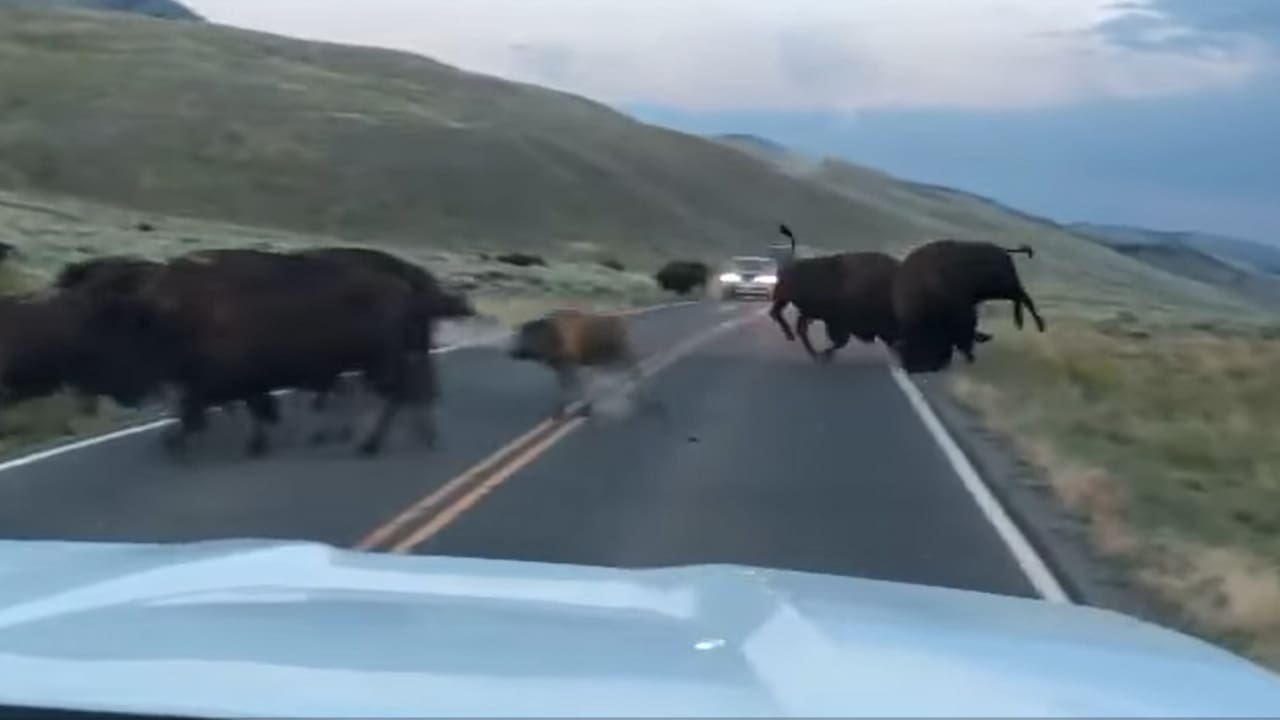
point(1058, 535)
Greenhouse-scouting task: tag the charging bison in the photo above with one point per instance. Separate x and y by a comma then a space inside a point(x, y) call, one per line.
point(936, 293)
point(234, 325)
point(848, 292)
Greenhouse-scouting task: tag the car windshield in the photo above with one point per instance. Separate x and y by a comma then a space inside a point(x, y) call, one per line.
point(493, 307)
point(752, 265)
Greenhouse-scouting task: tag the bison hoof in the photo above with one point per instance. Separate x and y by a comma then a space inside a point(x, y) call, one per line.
point(320, 437)
point(369, 448)
point(982, 337)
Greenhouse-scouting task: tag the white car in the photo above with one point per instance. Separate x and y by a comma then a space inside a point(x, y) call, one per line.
point(748, 276)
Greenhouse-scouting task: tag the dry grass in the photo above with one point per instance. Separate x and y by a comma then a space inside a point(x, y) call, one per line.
point(1165, 441)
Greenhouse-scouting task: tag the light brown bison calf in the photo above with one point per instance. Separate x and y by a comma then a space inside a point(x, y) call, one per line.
point(567, 340)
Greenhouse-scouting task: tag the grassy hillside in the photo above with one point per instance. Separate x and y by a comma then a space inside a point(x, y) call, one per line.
point(167, 9)
point(207, 121)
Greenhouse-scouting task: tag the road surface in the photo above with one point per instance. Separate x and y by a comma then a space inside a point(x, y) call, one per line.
point(750, 453)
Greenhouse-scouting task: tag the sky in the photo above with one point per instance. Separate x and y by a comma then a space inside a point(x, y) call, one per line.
point(1151, 112)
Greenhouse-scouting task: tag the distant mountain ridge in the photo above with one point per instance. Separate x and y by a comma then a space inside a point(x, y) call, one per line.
point(1250, 269)
point(166, 9)
point(1247, 254)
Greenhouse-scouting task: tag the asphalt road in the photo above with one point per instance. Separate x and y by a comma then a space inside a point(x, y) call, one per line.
point(758, 457)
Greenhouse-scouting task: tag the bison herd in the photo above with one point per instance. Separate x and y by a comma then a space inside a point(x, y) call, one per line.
point(924, 307)
point(229, 327)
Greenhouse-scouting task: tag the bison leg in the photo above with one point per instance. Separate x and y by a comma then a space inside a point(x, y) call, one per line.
point(372, 443)
point(191, 420)
point(802, 329)
point(263, 411)
point(1025, 299)
point(775, 312)
point(839, 337)
point(569, 384)
point(336, 399)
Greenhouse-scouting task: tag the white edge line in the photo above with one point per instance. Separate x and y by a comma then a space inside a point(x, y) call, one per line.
point(1033, 566)
point(83, 443)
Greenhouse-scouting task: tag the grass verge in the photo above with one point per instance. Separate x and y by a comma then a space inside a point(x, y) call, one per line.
point(1163, 441)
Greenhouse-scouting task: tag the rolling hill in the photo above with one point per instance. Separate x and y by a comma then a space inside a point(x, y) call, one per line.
point(208, 121)
point(1248, 269)
point(1244, 254)
point(204, 121)
point(166, 9)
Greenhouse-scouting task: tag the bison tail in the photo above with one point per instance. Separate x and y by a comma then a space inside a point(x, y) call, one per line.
point(782, 228)
point(1021, 250)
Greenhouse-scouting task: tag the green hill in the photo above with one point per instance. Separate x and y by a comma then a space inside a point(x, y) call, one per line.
point(166, 9)
point(208, 121)
point(204, 121)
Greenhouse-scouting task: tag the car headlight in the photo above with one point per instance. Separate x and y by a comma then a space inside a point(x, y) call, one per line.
point(767, 279)
point(730, 277)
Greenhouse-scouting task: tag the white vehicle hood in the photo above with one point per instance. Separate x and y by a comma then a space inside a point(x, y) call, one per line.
point(305, 630)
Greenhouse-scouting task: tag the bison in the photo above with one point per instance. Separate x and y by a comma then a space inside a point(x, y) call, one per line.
point(683, 276)
point(848, 292)
point(230, 325)
point(936, 292)
point(567, 340)
point(53, 341)
point(434, 303)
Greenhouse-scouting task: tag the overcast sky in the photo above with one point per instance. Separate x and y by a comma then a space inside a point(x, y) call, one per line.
point(1144, 111)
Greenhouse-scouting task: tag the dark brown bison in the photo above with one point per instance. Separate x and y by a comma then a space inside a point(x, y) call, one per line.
point(937, 290)
point(234, 325)
point(683, 276)
point(53, 341)
point(437, 302)
point(434, 302)
point(567, 340)
point(848, 292)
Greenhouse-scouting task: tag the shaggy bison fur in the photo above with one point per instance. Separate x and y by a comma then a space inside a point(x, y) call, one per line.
point(937, 290)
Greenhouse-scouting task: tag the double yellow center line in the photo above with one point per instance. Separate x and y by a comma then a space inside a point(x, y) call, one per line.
point(426, 518)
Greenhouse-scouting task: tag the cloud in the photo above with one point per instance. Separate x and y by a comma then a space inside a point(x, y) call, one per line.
point(837, 55)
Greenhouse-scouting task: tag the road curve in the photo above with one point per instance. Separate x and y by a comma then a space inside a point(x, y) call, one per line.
point(758, 456)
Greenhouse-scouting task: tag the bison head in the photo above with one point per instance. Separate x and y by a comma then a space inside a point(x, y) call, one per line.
point(454, 305)
point(535, 340)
